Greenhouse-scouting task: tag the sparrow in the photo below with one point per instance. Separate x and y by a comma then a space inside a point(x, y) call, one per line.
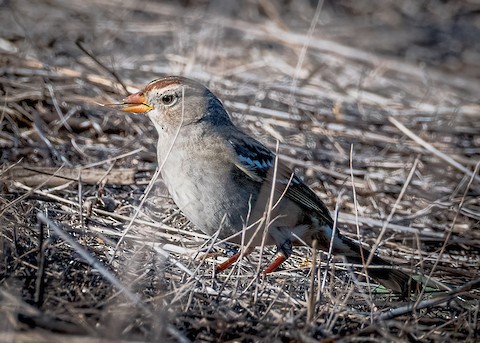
point(228, 183)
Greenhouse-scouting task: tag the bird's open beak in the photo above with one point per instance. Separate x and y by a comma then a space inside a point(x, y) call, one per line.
point(136, 103)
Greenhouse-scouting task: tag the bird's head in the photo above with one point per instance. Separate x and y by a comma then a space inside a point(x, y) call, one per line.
point(173, 102)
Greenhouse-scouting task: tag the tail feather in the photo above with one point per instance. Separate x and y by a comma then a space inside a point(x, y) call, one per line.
point(389, 277)
point(394, 279)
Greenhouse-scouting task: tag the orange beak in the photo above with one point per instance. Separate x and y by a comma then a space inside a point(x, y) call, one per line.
point(136, 103)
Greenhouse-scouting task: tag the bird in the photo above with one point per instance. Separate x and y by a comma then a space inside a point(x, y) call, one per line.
point(229, 184)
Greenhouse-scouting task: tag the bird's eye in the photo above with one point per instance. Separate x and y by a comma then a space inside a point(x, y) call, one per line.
point(169, 99)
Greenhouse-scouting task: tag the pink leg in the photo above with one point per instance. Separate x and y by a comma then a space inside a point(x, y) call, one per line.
point(222, 266)
point(275, 264)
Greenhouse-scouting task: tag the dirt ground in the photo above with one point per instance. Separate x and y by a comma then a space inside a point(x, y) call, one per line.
point(374, 104)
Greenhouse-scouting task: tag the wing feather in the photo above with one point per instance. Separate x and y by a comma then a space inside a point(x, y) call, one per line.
point(256, 160)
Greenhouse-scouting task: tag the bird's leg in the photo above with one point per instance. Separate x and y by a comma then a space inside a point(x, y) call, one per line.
point(276, 263)
point(224, 265)
point(284, 252)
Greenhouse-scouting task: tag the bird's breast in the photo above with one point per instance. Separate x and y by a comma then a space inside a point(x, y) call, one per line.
point(203, 189)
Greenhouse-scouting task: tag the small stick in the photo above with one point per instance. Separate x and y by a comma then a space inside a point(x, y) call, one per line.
point(432, 149)
point(474, 284)
point(311, 295)
point(79, 43)
point(39, 282)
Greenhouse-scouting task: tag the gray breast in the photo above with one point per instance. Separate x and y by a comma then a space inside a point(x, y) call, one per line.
point(208, 193)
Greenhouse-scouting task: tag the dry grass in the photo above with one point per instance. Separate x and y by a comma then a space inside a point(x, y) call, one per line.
point(377, 110)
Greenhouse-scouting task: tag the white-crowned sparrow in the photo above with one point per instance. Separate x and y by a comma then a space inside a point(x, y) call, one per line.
point(221, 178)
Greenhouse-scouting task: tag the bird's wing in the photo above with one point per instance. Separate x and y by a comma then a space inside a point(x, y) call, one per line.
point(250, 156)
point(258, 163)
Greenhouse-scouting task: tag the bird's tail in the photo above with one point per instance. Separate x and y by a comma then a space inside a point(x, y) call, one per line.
point(389, 276)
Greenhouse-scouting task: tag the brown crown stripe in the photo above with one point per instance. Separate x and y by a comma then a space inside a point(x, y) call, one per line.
point(162, 83)
point(171, 80)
